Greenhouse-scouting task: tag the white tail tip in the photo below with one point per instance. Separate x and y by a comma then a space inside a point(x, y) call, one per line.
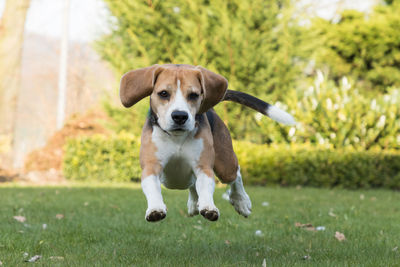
point(280, 116)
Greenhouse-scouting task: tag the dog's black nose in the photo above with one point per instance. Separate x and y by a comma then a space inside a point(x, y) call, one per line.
point(179, 117)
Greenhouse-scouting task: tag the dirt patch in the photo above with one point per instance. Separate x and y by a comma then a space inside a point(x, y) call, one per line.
point(50, 156)
point(7, 175)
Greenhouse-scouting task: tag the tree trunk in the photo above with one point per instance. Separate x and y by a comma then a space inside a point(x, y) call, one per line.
point(12, 26)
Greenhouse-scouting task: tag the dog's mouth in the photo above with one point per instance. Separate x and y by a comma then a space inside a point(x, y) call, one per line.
point(178, 129)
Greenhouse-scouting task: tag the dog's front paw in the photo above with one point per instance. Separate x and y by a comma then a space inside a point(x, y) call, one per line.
point(241, 202)
point(210, 213)
point(156, 214)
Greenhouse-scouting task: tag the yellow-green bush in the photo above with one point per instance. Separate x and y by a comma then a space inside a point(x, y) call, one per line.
point(318, 167)
point(102, 158)
point(337, 116)
point(117, 159)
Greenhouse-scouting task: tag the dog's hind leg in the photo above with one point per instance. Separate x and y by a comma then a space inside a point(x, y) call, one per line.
point(226, 165)
point(238, 196)
point(192, 201)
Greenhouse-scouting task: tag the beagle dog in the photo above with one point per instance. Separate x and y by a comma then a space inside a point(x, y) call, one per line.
point(184, 142)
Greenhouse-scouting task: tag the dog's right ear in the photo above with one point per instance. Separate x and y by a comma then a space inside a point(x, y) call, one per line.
point(137, 84)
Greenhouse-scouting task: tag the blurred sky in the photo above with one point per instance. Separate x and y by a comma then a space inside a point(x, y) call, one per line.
point(88, 18)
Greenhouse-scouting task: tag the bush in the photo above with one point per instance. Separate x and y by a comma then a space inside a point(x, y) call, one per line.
point(337, 117)
point(102, 158)
point(318, 167)
point(117, 159)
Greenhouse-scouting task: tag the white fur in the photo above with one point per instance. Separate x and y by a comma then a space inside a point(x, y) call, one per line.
point(192, 201)
point(205, 186)
point(179, 103)
point(238, 196)
point(280, 116)
point(178, 155)
point(152, 190)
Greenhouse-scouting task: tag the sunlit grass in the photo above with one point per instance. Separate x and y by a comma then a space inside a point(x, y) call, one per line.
point(105, 226)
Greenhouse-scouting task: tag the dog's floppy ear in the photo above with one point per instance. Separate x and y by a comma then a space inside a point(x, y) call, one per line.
point(137, 84)
point(214, 88)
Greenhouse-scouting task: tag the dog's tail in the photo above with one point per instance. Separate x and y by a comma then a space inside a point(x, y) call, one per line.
point(263, 107)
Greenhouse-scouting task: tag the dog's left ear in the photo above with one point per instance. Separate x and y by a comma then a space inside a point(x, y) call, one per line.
point(137, 84)
point(214, 88)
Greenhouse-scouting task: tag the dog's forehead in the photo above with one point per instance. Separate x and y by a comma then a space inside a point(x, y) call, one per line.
point(188, 77)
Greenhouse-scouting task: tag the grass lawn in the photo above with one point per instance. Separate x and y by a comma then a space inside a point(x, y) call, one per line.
point(105, 226)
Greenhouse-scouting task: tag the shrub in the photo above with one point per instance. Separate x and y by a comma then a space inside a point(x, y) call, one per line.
point(338, 117)
point(318, 167)
point(102, 158)
point(117, 159)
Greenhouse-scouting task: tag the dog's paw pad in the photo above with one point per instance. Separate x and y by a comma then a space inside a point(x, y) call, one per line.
point(155, 216)
point(211, 215)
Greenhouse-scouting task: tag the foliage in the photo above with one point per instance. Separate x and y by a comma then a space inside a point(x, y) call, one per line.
point(116, 159)
point(254, 44)
point(365, 47)
point(318, 167)
point(338, 117)
point(102, 158)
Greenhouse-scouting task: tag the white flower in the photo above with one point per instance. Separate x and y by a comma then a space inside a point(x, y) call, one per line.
point(373, 104)
point(381, 121)
point(320, 77)
point(314, 103)
point(292, 131)
point(258, 116)
point(176, 9)
point(329, 104)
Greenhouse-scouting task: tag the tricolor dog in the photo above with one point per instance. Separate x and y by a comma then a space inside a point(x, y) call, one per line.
point(184, 142)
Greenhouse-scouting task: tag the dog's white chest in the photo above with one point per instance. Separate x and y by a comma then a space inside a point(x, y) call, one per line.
point(178, 155)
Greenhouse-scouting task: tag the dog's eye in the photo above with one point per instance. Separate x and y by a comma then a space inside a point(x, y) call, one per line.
point(193, 96)
point(163, 94)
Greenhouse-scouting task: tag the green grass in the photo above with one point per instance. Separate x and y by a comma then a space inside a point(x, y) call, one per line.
point(110, 230)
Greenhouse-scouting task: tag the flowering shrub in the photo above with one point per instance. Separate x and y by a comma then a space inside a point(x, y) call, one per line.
point(337, 117)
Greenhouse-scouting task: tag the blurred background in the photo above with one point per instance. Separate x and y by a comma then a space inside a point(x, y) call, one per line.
point(334, 65)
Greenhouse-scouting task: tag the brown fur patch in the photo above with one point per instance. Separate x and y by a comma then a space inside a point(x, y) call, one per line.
point(207, 156)
point(226, 163)
point(148, 159)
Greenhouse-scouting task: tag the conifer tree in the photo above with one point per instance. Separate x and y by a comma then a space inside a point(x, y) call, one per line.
point(251, 43)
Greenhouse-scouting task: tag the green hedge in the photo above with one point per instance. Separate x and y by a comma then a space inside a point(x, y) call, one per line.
point(101, 158)
point(117, 159)
point(318, 167)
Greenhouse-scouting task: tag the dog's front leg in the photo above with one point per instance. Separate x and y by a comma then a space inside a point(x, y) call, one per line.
point(156, 209)
point(205, 185)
